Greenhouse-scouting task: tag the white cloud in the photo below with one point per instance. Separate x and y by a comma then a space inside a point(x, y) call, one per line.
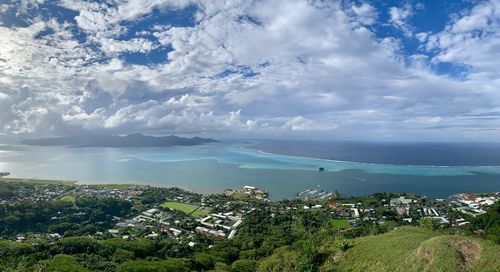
point(300, 123)
point(365, 13)
point(399, 16)
point(422, 37)
point(268, 67)
point(472, 40)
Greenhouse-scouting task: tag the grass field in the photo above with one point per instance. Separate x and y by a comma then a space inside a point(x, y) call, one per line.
point(185, 208)
point(340, 224)
point(201, 212)
point(417, 249)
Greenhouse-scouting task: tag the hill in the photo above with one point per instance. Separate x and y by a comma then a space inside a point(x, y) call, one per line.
point(418, 249)
point(133, 140)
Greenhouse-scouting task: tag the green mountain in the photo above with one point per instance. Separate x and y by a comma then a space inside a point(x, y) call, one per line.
point(133, 140)
point(418, 249)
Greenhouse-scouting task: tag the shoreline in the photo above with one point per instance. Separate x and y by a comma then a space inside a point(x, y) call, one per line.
point(113, 185)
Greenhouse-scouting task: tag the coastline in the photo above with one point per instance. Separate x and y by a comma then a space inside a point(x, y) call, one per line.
point(120, 185)
point(215, 167)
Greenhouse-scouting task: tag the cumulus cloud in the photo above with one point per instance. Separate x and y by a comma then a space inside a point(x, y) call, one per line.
point(399, 17)
point(300, 123)
point(365, 13)
point(472, 40)
point(244, 67)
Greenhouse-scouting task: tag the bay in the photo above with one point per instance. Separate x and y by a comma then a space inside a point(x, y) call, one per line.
point(211, 168)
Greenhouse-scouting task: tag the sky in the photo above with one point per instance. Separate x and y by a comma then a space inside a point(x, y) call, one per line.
point(355, 70)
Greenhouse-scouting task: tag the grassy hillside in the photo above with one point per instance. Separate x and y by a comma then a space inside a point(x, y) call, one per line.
point(417, 249)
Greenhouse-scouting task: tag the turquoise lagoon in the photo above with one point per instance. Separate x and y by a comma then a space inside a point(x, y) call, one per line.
point(213, 167)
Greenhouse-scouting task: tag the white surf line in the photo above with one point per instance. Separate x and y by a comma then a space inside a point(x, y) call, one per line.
point(462, 167)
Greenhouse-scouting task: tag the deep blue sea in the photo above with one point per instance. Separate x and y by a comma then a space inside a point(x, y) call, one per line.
point(282, 167)
point(398, 153)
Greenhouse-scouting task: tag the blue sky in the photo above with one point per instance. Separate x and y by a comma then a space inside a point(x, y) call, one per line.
point(364, 70)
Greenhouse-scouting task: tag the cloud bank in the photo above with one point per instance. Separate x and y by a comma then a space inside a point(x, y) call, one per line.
point(248, 69)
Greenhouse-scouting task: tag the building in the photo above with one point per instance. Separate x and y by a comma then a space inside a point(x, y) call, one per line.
point(400, 201)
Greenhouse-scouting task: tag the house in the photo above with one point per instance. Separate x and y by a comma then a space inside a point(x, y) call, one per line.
point(153, 236)
point(175, 231)
point(54, 235)
point(114, 231)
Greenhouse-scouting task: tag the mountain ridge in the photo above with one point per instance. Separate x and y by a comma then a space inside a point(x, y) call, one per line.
point(131, 140)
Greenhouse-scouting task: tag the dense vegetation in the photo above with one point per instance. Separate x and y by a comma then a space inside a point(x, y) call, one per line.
point(81, 216)
point(489, 222)
point(271, 238)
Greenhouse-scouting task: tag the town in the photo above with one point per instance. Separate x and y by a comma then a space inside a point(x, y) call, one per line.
point(119, 227)
point(177, 214)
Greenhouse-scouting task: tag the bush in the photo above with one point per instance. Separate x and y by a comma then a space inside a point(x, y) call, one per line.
point(343, 245)
point(429, 223)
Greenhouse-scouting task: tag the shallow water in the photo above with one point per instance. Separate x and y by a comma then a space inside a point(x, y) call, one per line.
point(213, 167)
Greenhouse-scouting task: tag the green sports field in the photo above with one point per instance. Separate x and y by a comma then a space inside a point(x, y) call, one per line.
point(185, 208)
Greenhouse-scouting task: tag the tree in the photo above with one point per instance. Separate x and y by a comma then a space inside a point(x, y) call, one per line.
point(203, 261)
point(122, 255)
point(429, 223)
point(62, 263)
point(281, 261)
point(178, 265)
point(244, 266)
point(11, 220)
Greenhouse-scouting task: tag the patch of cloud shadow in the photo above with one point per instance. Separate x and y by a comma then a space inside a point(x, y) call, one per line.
point(264, 64)
point(249, 19)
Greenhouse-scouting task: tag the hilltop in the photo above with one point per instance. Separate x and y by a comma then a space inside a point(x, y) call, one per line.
point(133, 140)
point(418, 249)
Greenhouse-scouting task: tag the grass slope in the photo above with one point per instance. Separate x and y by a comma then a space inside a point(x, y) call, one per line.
point(340, 224)
point(417, 249)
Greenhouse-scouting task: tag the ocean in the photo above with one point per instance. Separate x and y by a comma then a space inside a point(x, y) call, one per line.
point(281, 167)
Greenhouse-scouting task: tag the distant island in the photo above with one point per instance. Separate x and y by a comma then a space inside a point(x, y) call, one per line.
point(133, 140)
